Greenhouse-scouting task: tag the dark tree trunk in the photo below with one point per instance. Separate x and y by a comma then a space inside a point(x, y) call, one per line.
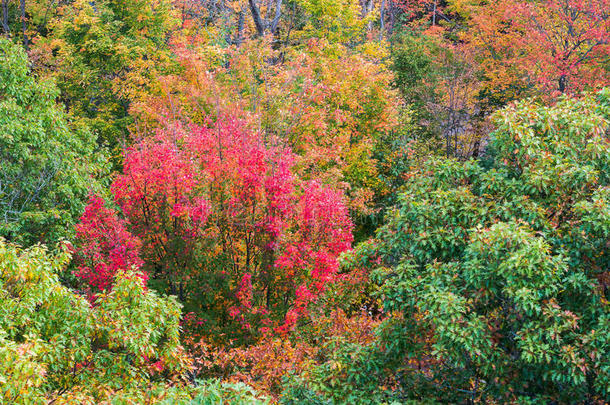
point(262, 25)
point(562, 83)
point(5, 26)
point(240, 27)
point(24, 25)
point(256, 16)
point(392, 18)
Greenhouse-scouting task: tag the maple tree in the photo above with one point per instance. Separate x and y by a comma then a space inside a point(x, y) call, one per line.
point(332, 107)
point(224, 224)
point(560, 46)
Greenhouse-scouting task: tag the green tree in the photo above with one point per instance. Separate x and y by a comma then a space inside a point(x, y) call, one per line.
point(48, 164)
point(109, 53)
point(122, 346)
point(440, 79)
point(64, 346)
point(496, 271)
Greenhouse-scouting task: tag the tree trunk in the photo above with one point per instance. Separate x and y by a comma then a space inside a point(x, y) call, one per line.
point(392, 18)
point(562, 83)
point(240, 27)
point(256, 16)
point(366, 10)
point(276, 18)
point(23, 25)
point(5, 26)
point(381, 19)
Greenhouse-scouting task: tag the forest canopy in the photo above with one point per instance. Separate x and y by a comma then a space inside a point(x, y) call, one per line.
point(304, 202)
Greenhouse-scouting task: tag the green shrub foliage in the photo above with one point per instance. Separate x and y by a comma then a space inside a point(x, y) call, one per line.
point(54, 342)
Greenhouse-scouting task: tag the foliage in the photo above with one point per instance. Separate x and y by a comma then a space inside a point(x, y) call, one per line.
point(224, 225)
point(338, 21)
point(55, 345)
point(48, 164)
point(333, 107)
point(106, 54)
point(559, 46)
point(215, 392)
point(348, 377)
point(499, 268)
point(104, 246)
point(266, 364)
point(440, 81)
point(252, 142)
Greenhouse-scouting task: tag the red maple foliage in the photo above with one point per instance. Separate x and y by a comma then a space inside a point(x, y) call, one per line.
point(220, 214)
point(104, 246)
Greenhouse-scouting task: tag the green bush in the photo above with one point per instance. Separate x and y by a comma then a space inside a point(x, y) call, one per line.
point(123, 348)
point(53, 343)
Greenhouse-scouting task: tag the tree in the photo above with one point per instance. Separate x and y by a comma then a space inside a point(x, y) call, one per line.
point(227, 227)
point(262, 24)
point(341, 22)
point(64, 348)
point(561, 46)
point(331, 106)
point(48, 164)
point(105, 55)
point(498, 269)
point(56, 347)
point(439, 80)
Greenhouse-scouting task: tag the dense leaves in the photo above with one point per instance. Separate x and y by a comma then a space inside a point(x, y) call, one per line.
point(106, 54)
point(504, 265)
point(233, 152)
point(224, 225)
point(65, 348)
point(105, 246)
point(48, 165)
point(331, 107)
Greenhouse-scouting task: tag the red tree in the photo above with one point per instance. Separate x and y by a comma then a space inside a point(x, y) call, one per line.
point(227, 227)
point(104, 246)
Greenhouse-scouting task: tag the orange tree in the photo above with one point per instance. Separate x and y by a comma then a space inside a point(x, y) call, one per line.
point(557, 46)
point(333, 107)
